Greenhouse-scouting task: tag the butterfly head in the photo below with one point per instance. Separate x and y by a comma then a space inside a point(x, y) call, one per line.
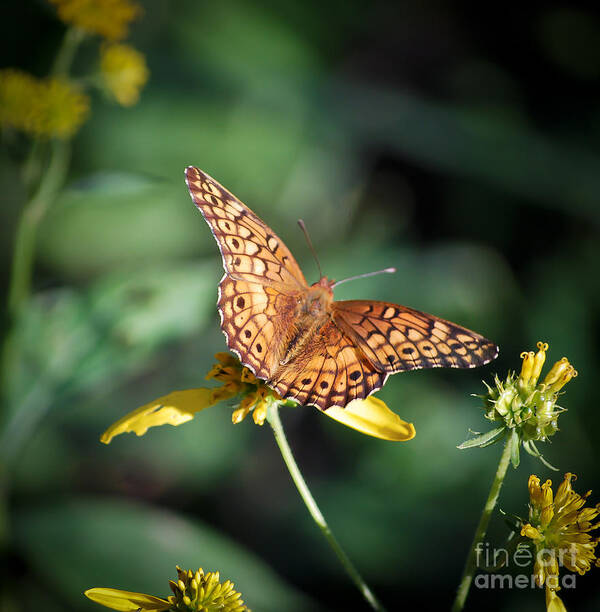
point(325, 283)
point(319, 298)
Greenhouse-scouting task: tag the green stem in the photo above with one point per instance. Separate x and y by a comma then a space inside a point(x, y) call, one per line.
point(66, 53)
point(32, 166)
point(33, 212)
point(490, 504)
point(51, 176)
point(311, 504)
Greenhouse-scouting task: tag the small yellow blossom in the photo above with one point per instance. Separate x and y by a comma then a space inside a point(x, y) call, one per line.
point(50, 107)
point(193, 592)
point(256, 395)
point(559, 528)
point(524, 407)
point(124, 72)
point(108, 18)
point(370, 416)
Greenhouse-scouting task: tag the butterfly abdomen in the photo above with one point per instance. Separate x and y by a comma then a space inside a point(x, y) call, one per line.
point(313, 311)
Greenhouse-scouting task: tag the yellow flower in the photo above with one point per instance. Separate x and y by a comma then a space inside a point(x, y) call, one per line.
point(124, 72)
point(193, 592)
point(559, 529)
point(524, 407)
point(370, 416)
point(109, 18)
point(50, 107)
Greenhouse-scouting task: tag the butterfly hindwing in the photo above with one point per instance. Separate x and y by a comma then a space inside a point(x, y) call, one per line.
point(396, 338)
point(255, 319)
point(330, 371)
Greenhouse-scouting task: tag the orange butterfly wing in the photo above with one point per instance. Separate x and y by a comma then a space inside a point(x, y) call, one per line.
point(329, 371)
point(250, 249)
point(395, 338)
point(323, 360)
point(262, 282)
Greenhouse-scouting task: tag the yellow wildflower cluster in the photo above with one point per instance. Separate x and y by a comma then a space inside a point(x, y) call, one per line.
point(50, 107)
point(238, 379)
point(200, 592)
point(525, 405)
point(124, 72)
point(108, 18)
point(193, 592)
point(559, 527)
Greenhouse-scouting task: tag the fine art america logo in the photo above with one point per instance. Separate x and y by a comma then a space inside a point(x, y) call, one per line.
point(491, 560)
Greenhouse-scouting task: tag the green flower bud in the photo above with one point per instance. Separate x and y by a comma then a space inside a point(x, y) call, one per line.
point(523, 405)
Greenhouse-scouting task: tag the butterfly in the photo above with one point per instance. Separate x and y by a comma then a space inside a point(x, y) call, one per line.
point(295, 336)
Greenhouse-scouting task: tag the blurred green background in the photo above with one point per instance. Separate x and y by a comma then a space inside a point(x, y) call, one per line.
point(458, 144)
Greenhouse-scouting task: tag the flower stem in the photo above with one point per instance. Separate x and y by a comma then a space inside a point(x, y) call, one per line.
point(490, 504)
point(32, 214)
point(51, 181)
point(311, 504)
point(66, 53)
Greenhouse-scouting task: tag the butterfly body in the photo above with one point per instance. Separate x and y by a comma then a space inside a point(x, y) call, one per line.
point(295, 336)
point(313, 312)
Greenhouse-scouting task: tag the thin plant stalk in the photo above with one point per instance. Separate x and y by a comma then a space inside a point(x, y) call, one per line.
point(35, 209)
point(484, 520)
point(66, 53)
point(52, 177)
point(313, 508)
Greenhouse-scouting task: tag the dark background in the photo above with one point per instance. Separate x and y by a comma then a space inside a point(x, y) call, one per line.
point(459, 143)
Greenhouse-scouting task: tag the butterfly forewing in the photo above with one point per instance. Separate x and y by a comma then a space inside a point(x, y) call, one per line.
point(396, 338)
point(250, 249)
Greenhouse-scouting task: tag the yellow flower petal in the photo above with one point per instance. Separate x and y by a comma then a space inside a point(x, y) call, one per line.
point(259, 414)
point(547, 503)
point(239, 415)
point(554, 602)
point(127, 601)
point(530, 532)
point(527, 367)
point(539, 360)
point(372, 417)
point(535, 492)
point(173, 409)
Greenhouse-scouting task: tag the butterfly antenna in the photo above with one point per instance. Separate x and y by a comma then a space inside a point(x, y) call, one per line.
point(310, 245)
point(345, 280)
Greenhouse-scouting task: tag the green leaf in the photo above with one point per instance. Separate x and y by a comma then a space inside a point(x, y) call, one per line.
point(515, 457)
point(532, 449)
point(86, 543)
point(484, 439)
